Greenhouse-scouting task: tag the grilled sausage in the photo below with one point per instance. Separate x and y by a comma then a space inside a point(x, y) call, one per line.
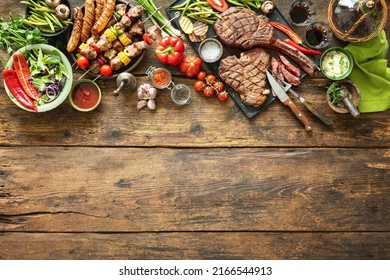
point(102, 21)
point(89, 20)
point(99, 8)
point(76, 31)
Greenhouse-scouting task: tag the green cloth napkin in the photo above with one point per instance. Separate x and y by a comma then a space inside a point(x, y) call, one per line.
point(370, 73)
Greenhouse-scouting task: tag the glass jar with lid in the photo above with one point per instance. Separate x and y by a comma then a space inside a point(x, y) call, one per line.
point(357, 20)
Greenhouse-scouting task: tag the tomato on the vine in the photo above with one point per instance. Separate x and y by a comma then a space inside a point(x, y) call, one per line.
point(219, 86)
point(223, 95)
point(208, 91)
point(82, 62)
point(106, 70)
point(199, 86)
point(211, 79)
point(201, 75)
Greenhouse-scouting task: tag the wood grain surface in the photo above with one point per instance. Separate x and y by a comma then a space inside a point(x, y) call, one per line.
point(194, 182)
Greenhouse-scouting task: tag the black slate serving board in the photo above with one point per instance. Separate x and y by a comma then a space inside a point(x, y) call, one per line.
point(249, 111)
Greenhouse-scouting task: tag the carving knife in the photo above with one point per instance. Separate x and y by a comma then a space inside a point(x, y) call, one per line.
point(317, 112)
point(282, 95)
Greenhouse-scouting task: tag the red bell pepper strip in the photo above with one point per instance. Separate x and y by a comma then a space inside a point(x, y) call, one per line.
point(23, 72)
point(288, 31)
point(16, 89)
point(302, 49)
point(170, 50)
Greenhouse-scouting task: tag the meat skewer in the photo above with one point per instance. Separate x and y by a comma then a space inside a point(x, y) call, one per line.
point(242, 28)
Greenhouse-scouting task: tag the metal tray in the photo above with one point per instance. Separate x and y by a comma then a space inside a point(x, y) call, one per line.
point(249, 111)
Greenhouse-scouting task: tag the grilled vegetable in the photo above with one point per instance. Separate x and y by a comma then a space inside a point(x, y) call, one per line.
point(16, 89)
point(195, 38)
point(186, 25)
point(124, 39)
point(124, 58)
point(23, 73)
point(200, 28)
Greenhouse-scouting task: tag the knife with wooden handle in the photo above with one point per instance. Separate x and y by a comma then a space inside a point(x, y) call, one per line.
point(282, 95)
point(317, 112)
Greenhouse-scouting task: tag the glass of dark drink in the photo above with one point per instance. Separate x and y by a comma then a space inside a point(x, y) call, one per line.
point(302, 12)
point(318, 35)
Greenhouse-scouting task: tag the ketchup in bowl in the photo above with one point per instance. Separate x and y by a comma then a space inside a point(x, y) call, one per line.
point(85, 95)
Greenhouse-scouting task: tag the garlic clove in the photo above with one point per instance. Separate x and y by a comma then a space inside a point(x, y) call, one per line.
point(151, 104)
point(141, 104)
point(152, 92)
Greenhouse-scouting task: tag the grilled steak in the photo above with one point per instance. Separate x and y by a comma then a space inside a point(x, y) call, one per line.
point(291, 68)
point(242, 28)
point(246, 75)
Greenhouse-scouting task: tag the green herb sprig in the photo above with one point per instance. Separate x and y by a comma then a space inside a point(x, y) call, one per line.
point(334, 93)
point(15, 34)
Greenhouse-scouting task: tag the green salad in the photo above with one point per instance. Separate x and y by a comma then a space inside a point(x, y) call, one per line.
point(48, 73)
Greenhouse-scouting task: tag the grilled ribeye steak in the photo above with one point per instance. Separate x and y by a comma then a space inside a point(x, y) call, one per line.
point(244, 29)
point(246, 75)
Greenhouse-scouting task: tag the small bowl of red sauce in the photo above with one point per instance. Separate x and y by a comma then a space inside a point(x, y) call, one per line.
point(85, 95)
point(160, 77)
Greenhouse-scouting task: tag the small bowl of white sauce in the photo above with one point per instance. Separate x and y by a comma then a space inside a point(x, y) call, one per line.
point(336, 63)
point(210, 50)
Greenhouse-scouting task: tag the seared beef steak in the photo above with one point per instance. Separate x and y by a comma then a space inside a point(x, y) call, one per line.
point(242, 28)
point(246, 75)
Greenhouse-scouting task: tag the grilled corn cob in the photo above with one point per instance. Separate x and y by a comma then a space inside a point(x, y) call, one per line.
point(124, 58)
point(110, 35)
point(124, 39)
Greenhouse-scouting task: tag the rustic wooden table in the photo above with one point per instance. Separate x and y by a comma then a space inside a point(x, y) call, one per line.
point(195, 182)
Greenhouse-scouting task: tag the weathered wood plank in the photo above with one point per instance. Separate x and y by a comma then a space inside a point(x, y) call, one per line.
point(195, 245)
point(203, 123)
point(130, 190)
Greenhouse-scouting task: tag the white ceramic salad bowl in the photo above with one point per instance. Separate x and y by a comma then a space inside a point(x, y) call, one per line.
point(46, 49)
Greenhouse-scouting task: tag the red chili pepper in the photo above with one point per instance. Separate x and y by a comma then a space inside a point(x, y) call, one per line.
point(302, 49)
point(288, 31)
point(23, 72)
point(16, 89)
point(170, 50)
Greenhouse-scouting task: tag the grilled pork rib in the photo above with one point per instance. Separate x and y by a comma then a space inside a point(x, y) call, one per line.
point(246, 75)
point(242, 28)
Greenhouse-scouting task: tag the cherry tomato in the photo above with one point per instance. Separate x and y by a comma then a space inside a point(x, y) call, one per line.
point(211, 79)
point(219, 5)
point(208, 91)
point(82, 62)
point(219, 86)
point(106, 70)
point(201, 75)
point(223, 95)
point(199, 86)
